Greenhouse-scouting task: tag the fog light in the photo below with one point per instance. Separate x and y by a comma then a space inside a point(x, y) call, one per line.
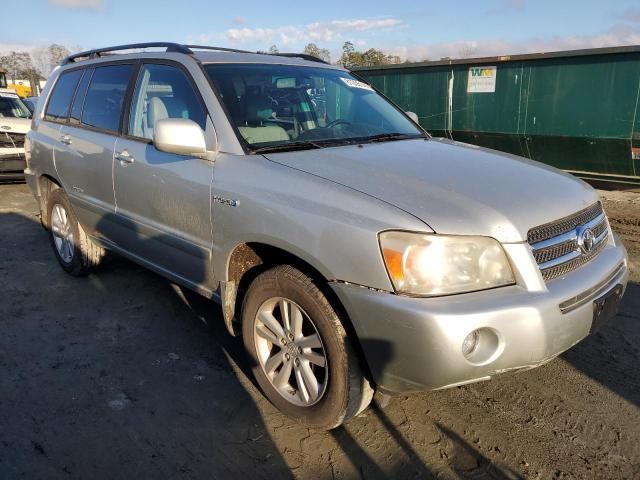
point(470, 343)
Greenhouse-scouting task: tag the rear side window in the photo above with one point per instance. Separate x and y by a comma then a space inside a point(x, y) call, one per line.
point(105, 97)
point(78, 101)
point(62, 95)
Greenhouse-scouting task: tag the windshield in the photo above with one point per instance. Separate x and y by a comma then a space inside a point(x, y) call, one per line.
point(279, 107)
point(12, 106)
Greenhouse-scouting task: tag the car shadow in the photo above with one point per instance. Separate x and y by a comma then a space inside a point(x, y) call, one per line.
point(109, 376)
point(609, 355)
point(468, 462)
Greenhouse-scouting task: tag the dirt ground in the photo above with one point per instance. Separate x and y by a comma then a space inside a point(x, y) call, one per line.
point(122, 375)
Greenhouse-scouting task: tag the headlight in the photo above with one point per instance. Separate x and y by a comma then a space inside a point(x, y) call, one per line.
point(431, 264)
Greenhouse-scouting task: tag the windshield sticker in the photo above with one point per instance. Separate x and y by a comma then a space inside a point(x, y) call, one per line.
point(350, 82)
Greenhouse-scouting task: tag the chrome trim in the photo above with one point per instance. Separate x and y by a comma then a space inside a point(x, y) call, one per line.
point(573, 255)
point(595, 291)
point(566, 237)
point(560, 260)
point(563, 225)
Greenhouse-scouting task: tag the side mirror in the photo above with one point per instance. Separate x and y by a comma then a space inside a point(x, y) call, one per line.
point(413, 116)
point(180, 136)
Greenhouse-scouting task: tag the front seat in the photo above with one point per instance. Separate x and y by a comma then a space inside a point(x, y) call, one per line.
point(259, 111)
point(160, 108)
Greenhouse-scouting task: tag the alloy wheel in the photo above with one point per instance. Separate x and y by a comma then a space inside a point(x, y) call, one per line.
point(62, 233)
point(291, 352)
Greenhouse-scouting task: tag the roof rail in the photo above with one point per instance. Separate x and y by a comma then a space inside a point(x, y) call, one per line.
point(171, 47)
point(179, 48)
point(220, 49)
point(303, 56)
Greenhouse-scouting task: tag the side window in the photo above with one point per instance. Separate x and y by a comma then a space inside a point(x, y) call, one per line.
point(62, 95)
point(161, 92)
point(104, 99)
point(78, 101)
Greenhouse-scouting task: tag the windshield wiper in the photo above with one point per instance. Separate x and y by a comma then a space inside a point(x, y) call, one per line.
point(288, 147)
point(383, 137)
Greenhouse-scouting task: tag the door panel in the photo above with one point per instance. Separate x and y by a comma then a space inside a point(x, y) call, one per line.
point(163, 200)
point(85, 165)
point(164, 209)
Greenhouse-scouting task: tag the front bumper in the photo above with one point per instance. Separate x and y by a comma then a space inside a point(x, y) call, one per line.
point(12, 166)
point(416, 343)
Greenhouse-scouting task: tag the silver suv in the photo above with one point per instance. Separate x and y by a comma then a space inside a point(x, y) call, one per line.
point(350, 250)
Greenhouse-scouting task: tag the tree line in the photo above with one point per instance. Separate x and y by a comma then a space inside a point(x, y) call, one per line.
point(350, 56)
point(40, 62)
point(33, 66)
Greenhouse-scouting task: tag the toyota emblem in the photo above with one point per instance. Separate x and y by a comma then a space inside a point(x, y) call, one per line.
point(586, 239)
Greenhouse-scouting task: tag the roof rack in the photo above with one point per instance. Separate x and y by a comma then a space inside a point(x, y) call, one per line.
point(178, 48)
point(171, 47)
point(303, 56)
point(220, 49)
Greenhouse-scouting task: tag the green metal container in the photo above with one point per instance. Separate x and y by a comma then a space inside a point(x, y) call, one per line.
point(576, 110)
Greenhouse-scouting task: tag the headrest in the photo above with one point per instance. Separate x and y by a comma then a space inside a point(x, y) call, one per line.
point(258, 108)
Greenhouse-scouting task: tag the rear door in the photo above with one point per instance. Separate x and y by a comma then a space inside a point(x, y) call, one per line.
point(163, 199)
point(84, 159)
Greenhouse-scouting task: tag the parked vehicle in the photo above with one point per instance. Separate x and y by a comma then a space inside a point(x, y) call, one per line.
point(350, 250)
point(31, 103)
point(15, 120)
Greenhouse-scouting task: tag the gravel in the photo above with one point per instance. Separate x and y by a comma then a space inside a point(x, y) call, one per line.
point(123, 375)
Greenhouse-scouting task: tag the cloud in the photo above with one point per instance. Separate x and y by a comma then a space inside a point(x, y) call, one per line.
point(296, 35)
point(615, 36)
point(239, 20)
point(78, 4)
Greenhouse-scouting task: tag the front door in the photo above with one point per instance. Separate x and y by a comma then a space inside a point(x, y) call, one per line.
point(163, 200)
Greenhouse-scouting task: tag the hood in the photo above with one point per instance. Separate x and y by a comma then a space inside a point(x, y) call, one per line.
point(14, 125)
point(454, 188)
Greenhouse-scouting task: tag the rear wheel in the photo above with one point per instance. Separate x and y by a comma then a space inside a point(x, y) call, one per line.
point(302, 358)
point(76, 253)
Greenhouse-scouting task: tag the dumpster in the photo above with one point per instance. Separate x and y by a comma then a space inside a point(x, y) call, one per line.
point(576, 110)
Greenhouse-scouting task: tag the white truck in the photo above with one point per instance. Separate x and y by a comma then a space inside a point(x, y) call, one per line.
point(15, 121)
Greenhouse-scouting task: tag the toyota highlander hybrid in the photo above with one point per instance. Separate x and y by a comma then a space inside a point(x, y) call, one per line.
point(351, 251)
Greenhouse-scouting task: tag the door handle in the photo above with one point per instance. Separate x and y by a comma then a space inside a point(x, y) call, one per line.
point(124, 158)
point(66, 139)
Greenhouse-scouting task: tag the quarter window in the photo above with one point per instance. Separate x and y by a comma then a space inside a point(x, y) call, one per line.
point(62, 95)
point(162, 92)
point(105, 97)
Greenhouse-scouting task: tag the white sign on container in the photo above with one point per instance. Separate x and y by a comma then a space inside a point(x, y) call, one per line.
point(482, 80)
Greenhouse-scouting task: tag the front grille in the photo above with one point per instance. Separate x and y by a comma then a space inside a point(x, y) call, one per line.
point(564, 225)
point(545, 255)
point(11, 140)
point(571, 265)
point(555, 245)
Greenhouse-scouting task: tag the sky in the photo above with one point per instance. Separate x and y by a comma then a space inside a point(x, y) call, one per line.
point(414, 30)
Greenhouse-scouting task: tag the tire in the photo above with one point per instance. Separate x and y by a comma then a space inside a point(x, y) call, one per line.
point(81, 254)
point(342, 390)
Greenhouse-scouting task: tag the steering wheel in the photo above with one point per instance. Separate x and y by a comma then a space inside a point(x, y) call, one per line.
point(336, 122)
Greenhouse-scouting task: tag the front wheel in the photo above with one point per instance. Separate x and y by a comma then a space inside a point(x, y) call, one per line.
point(301, 356)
